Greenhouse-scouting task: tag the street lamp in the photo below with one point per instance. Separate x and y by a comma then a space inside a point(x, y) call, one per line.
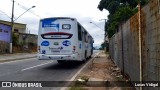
point(97, 26)
point(105, 33)
point(12, 23)
point(105, 20)
point(24, 12)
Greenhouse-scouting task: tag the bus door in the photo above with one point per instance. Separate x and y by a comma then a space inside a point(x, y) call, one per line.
point(83, 45)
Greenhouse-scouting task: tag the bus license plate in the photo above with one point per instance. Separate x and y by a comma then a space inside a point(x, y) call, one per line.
point(54, 51)
point(56, 58)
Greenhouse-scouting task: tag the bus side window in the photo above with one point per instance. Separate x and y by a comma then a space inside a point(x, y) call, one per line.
point(89, 39)
point(79, 33)
point(83, 37)
point(86, 37)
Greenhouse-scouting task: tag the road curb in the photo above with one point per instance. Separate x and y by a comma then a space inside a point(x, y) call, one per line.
point(16, 59)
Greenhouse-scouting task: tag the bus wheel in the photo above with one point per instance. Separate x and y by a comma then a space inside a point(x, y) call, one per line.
point(61, 61)
point(85, 59)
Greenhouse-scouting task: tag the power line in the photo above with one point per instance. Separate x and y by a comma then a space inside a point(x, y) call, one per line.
point(21, 6)
point(25, 8)
point(5, 14)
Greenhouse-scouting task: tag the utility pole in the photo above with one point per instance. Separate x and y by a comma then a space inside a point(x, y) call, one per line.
point(12, 25)
point(105, 33)
point(140, 45)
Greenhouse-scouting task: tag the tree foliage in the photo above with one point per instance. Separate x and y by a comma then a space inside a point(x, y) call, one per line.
point(120, 11)
point(15, 39)
point(102, 46)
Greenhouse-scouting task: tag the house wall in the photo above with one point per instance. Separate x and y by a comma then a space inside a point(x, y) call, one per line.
point(5, 34)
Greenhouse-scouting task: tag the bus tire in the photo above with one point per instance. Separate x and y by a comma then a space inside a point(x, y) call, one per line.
point(91, 54)
point(85, 57)
point(61, 61)
point(84, 60)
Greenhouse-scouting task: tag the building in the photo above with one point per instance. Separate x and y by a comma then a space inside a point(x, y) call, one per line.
point(5, 34)
point(18, 27)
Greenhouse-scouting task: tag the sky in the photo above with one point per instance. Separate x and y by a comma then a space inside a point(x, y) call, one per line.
point(85, 11)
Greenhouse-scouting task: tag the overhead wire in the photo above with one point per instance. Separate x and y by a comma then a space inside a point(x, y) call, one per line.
point(25, 8)
point(5, 14)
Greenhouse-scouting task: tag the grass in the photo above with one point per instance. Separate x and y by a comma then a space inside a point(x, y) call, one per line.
point(119, 79)
point(85, 78)
point(79, 85)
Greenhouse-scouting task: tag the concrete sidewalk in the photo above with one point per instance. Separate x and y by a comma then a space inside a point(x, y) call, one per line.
point(16, 56)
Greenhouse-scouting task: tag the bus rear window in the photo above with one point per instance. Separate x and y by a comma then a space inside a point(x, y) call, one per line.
point(56, 35)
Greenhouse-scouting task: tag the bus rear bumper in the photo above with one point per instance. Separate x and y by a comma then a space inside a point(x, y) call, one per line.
point(58, 57)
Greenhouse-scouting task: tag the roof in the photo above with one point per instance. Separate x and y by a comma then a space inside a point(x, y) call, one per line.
point(59, 18)
point(9, 23)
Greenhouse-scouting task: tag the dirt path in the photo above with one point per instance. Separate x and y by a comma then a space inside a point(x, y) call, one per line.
point(102, 69)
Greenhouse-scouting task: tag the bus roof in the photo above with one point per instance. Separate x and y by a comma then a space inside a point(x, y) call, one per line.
point(59, 18)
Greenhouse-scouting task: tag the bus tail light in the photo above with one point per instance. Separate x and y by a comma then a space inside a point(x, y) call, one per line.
point(38, 48)
point(74, 48)
point(56, 35)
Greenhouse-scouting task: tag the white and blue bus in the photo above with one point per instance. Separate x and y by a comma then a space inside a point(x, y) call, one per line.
point(62, 39)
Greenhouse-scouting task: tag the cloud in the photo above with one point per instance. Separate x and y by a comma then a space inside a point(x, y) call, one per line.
point(84, 11)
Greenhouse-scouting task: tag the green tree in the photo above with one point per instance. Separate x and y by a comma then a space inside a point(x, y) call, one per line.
point(120, 11)
point(102, 46)
point(15, 39)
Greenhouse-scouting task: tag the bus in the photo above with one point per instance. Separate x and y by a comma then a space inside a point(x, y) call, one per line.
point(63, 39)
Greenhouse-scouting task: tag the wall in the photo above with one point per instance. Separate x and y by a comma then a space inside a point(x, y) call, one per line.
point(124, 45)
point(5, 32)
point(26, 43)
point(28, 38)
point(17, 26)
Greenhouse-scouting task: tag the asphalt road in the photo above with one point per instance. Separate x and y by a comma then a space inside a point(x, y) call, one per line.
point(38, 70)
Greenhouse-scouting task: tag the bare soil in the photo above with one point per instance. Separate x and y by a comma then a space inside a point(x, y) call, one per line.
point(103, 68)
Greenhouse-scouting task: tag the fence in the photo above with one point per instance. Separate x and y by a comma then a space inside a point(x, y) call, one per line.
point(124, 45)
